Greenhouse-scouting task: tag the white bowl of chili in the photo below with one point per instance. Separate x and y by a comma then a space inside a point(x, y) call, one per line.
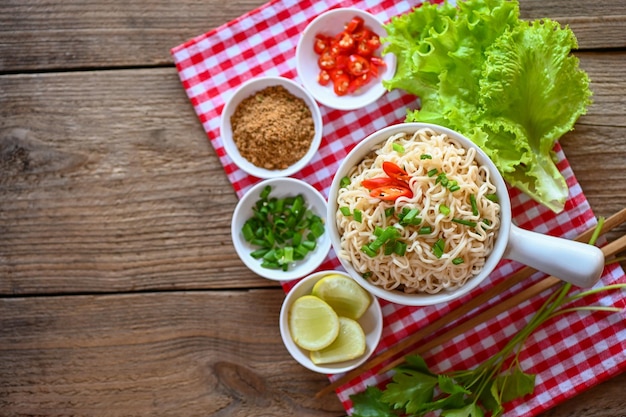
point(338, 59)
point(279, 229)
point(271, 127)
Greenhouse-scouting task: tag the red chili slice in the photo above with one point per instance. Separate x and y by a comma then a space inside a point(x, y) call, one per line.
point(323, 78)
point(373, 183)
point(346, 42)
point(355, 24)
point(341, 85)
point(358, 65)
point(378, 62)
point(359, 82)
point(394, 171)
point(391, 192)
point(321, 43)
point(326, 61)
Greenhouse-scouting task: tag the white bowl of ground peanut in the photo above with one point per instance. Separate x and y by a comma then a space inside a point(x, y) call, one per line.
point(271, 127)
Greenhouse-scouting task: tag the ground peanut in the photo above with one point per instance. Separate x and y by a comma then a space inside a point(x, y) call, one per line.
point(272, 129)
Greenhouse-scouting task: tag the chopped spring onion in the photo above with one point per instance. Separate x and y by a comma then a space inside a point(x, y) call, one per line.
point(432, 172)
point(283, 229)
point(442, 179)
point(458, 261)
point(426, 230)
point(386, 236)
point(443, 209)
point(345, 210)
point(425, 156)
point(438, 248)
point(409, 217)
point(474, 206)
point(492, 197)
point(465, 222)
point(358, 215)
point(345, 181)
point(398, 148)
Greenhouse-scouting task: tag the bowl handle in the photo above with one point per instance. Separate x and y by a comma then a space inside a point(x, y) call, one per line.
point(578, 263)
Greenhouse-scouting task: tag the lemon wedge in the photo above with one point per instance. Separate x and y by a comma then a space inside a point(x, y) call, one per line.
point(313, 324)
point(343, 294)
point(349, 344)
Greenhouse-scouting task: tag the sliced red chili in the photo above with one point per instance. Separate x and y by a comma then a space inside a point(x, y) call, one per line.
point(346, 42)
point(336, 72)
point(341, 85)
point(391, 192)
point(360, 35)
point(394, 171)
point(358, 82)
point(350, 53)
point(323, 77)
point(377, 61)
point(341, 61)
point(326, 61)
point(373, 42)
point(358, 65)
point(364, 49)
point(355, 24)
point(321, 43)
point(373, 183)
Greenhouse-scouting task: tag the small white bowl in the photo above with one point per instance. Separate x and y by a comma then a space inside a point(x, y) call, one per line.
point(246, 90)
point(281, 187)
point(331, 23)
point(371, 321)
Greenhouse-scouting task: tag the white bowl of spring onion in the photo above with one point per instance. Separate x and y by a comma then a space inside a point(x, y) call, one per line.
point(263, 226)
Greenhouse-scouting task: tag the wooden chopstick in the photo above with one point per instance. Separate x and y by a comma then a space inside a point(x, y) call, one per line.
point(535, 289)
point(610, 223)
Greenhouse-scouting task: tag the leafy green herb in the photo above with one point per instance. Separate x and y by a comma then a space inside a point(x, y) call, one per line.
point(501, 81)
point(416, 391)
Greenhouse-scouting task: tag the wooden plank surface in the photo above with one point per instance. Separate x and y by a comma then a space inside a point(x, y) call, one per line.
point(120, 293)
point(169, 354)
point(47, 34)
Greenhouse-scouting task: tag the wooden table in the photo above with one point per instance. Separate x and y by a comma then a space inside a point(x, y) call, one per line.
point(120, 292)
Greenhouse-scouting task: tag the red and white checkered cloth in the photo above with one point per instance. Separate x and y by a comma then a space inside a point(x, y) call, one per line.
point(569, 354)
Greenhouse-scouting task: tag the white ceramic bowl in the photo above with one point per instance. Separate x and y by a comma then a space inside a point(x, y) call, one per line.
point(281, 187)
point(371, 321)
point(331, 23)
point(578, 263)
point(246, 90)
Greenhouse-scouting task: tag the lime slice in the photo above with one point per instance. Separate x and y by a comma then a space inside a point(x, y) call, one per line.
point(313, 324)
point(349, 344)
point(343, 294)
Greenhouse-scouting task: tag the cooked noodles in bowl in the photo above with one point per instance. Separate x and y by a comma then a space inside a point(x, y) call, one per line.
point(419, 213)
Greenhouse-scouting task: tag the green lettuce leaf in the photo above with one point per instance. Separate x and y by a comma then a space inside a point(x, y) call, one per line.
point(509, 85)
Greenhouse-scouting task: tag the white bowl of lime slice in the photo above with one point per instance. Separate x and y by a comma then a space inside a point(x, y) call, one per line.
point(329, 323)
